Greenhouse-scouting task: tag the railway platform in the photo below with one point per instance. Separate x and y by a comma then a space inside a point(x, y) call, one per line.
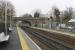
point(19, 40)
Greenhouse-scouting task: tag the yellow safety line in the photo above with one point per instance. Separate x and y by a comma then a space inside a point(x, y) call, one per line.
point(22, 41)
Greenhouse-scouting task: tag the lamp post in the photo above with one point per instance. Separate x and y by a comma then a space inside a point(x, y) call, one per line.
point(10, 18)
point(48, 22)
point(51, 21)
point(5, 17)
point(42, 22)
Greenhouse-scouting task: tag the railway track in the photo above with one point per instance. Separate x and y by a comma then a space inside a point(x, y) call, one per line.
point(49, 42)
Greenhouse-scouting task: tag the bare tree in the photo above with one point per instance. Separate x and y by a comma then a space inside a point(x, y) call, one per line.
point(36, 15)
point(67, 15)
point(56, 13)
point(10, 10)
point(26, 16)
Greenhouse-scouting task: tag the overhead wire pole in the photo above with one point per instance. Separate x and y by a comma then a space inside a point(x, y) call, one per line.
point(10, 18)
point(6, 17)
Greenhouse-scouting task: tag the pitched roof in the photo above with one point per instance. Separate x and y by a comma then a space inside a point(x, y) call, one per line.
point(72, 20)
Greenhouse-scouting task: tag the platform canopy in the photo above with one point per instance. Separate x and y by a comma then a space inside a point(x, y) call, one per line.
point(72, 20)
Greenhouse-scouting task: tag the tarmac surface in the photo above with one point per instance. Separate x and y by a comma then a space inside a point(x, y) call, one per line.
point(13, 43)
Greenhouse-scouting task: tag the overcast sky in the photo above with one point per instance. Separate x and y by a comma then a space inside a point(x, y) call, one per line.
point(29, 6)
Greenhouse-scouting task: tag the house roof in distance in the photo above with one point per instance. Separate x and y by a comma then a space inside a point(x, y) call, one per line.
point(72, 20)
